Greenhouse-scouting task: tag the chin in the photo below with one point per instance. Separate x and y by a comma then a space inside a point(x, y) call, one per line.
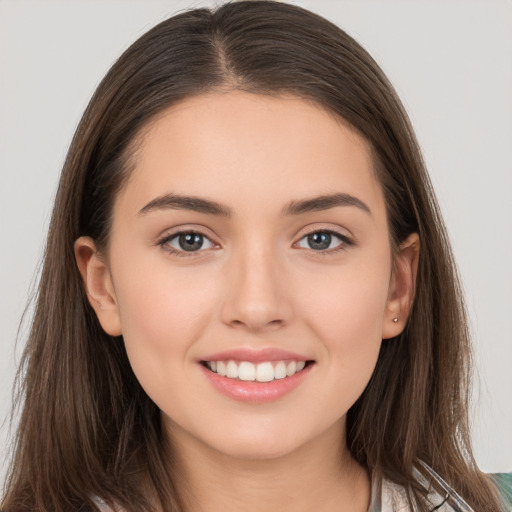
point(266, 442)
point(260, 451)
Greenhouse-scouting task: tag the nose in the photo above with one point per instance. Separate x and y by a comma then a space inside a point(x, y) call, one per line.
point(256, 293)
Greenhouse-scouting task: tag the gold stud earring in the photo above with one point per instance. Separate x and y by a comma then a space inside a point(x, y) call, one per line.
point(395, 320)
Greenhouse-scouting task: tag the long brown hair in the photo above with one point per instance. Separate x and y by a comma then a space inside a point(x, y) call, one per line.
point(87, 428)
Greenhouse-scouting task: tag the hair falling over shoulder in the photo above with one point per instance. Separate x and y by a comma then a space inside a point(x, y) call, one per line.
point(86, 427)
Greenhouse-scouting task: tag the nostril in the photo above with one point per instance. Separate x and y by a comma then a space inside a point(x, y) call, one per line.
point(254, 323)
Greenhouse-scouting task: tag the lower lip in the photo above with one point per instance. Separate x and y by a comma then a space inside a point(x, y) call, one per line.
point(256, 392)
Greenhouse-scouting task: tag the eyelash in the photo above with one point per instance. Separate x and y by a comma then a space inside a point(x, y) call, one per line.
point(345, 242)
point(163, 243)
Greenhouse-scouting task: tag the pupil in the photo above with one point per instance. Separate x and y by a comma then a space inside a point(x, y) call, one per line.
point(191, 241)
point(319, 241)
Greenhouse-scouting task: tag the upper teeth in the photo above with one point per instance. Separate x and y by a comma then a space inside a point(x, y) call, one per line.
point(261, 372)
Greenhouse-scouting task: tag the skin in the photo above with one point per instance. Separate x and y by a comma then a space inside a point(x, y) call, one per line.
point(255, 283)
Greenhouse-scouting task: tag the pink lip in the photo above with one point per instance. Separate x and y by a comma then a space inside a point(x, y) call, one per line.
point(255, 392)
point(255, 356)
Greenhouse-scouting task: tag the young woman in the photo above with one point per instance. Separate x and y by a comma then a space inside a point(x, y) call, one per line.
point(248, 300)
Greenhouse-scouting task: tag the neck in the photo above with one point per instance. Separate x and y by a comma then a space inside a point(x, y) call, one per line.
point(313, 477)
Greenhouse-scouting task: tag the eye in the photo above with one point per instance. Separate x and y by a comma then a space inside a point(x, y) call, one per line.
point(323, 240)
point(186, 241)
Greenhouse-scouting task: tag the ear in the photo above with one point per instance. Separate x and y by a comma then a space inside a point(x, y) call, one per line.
point(98, 284)
point(401, 287)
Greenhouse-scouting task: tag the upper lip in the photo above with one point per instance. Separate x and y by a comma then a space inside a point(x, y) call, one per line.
point(255, 355)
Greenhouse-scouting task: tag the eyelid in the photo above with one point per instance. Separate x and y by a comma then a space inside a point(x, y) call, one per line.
point(326, 228)
point(163, 241)
point(200, 229)
point(346, 239)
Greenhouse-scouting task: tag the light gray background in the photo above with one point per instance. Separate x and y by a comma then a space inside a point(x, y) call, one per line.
point(451, 62)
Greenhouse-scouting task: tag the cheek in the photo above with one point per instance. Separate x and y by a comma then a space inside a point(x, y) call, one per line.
point(155, 296)
point(349, 303)
point(346, 315)
point(163, 312)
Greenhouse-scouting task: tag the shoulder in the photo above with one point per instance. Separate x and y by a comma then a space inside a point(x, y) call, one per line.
point(439, 497)
point(393, 498)
point(503, 482)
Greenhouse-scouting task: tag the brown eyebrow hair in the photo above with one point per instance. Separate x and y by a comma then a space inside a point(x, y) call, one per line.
point(198, 204)
point(324, 202)
point(179, 202)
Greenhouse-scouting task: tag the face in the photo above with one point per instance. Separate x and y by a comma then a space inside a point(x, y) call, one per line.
point(251, 239)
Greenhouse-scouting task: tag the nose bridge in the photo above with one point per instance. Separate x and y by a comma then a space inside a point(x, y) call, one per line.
point(255, 297)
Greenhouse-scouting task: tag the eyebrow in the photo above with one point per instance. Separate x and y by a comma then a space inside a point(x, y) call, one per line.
point(201, 205)
point(325, 202)
point(179, 202)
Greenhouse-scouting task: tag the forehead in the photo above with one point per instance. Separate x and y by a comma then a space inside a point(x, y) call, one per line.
point(237, 147)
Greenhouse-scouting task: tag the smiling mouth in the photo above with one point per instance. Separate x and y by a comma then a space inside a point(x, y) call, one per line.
point(265, 371)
